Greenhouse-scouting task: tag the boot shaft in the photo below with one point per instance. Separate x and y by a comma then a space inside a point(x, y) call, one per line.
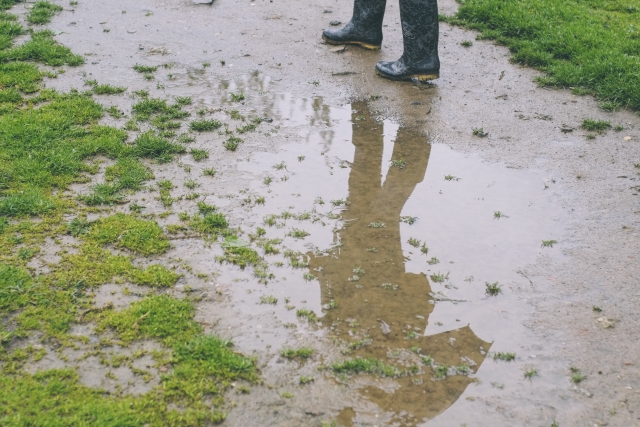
point(367, 19)
point(420, 33)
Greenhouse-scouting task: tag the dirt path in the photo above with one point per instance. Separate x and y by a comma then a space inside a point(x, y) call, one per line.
point(395, 152)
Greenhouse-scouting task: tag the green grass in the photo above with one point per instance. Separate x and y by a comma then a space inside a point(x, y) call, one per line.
point(306, 314)
point(42, 12)
point(204, 125)
point(199, 154)
point(212, 223)
point(507, 357)
point(595, 125)
point(302, 353)
point(48, 141)
point(589, 45)
point(108, 89)
point(232, 143)
point(493, 289)
point(128, 232)
point(576, 375)
point(366, 366)
point(145, 68)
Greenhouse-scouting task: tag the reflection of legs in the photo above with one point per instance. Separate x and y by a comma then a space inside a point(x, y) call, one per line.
point(365, 176)
point(400, 183)
point(364, 28)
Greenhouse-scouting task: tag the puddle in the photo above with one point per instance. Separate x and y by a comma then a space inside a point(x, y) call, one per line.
point(399, 237)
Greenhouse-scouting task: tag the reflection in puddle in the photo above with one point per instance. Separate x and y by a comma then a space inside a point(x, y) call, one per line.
point(378, 293)
point(380, 310)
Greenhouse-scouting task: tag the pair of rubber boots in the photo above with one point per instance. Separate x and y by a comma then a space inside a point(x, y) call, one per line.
point(419, 31)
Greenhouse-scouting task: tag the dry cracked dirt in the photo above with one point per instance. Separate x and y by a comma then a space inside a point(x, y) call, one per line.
point(488, 278)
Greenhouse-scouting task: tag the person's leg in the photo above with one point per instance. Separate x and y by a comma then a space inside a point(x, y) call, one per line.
point(420, 35)
point(365, 27)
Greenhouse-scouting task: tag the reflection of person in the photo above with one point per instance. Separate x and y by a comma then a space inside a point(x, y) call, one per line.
point(419, 32)
point(381, 309)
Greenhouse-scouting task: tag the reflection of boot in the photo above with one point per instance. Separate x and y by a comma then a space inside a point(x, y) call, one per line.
point(365, 27)
point(420, 34)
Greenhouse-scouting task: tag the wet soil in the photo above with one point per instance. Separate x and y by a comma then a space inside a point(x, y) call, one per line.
point(385, 166)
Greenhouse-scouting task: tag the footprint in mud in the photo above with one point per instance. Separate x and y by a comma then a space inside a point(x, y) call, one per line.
point(378, 310)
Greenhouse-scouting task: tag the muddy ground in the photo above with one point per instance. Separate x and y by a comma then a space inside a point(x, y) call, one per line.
point(405, 158)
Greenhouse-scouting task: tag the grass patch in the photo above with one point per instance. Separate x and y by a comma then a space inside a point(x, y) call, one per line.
point(301, 353)
point(204, 125)
point(42, 48)
point(150, 145)
point(42, 12)
point(240, 256)
point(108, 90)
point(367, 366)
point(588, 45)
point(126, 231)
point(305, 313)
point(493, 289)
point(145, 68)
point(212, 223)
point(150, 107)
point(199, 154)
point(506, 357)
point(28, 202)
point(576, 375)
point(595, 125)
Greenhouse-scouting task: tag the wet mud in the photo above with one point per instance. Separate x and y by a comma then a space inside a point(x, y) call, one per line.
point(388, 236)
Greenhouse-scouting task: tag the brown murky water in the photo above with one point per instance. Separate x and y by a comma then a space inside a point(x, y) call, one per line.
point(382, 308)
point(362, 189)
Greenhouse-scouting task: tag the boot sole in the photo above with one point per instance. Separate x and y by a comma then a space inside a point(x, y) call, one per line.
point(364, 45)
point(421, 77)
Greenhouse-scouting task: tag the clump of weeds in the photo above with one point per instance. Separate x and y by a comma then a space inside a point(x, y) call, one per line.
point(479, 132)
point(297, 233)
point(142, 69)
point(576, 375)
point(595, 125)
point(298, 353)
point(408, 219)
point(269, 299)
point(41, 12)
point(204, 125)
point(498, 215)
point(305, 380)
point(493, 289)
point(237, 97)
point(440, 372)
point(367, 366)
point(414, 242)
point(199, 154)
point(506, 357)
point(439, 277)
point(399, 163)
point(548, 243)
point(306, 314)
point(232, 143)
point(530, 372)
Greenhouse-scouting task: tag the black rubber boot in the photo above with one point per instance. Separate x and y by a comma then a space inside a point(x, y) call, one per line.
point(364, 29)
point(420, 35)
